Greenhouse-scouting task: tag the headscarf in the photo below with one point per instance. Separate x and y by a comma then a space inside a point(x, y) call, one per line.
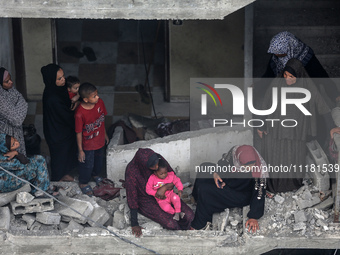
point(49, 73)
point(3, 75)
point(246, 154)
point(5, 146)
point(137, 174)
point(287, 43)
point(306, 124)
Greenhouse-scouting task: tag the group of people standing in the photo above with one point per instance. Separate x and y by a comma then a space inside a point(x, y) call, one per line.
point(149, 178)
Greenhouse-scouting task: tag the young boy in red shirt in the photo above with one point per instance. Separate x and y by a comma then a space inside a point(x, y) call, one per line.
point(91, 136)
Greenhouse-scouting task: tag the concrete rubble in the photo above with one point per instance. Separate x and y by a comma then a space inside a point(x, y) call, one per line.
point(291, 214)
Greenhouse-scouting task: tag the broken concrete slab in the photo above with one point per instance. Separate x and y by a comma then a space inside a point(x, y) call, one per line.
point(74, 226)
point(83, 208)
point(5, 218)
point(300, 216)
point(48, 218)
point(24, 198)
point(118, 220)
point(37, 205)
point(98, 216)
point(30, 219)
point(6, 198)
point(220, 220)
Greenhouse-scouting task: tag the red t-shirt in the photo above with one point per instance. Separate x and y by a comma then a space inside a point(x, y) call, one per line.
point(91, 124)
point(71, 94)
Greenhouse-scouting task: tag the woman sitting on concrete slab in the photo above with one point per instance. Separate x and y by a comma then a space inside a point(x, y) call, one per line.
point(137, 174)
point(244, 184)
point(33, 169)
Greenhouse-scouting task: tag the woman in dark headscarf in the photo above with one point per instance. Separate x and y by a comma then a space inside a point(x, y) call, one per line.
point(286, 146)
point(285, 46)
point(243, 184)
point(13, 109)
point(58, 121)
point(137, 174)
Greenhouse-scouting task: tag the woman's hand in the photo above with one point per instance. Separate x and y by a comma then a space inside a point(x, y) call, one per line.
point(137, 231)
point(160, 194)
point(260, 133)
point(180, 193)
point(334, 130)
point(253, 225)
point(218, 181)
point(11, 154)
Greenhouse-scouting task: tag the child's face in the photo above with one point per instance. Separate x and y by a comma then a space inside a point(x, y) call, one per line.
point(14, 144)
point(161, 173)
point(92, 98)
point(74, 89)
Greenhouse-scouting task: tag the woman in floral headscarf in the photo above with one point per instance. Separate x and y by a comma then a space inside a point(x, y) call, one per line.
point(244, 184)
point(285, 46)
point(13, 109)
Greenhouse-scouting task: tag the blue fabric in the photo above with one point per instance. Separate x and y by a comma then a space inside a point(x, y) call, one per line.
point(35, 171)
point(92, 166)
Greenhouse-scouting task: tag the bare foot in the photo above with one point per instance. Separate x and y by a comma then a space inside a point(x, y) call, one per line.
point(67, 178)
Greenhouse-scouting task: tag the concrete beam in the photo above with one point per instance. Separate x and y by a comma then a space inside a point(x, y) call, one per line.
point(119, 9)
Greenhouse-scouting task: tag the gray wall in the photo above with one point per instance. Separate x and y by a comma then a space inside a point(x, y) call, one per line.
point(6, 53)
point(211, 48)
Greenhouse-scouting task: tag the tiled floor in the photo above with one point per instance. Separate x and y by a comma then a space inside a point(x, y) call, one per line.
point(119, 67)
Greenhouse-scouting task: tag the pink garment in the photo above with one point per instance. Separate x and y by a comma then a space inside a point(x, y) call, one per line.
point(154, 183)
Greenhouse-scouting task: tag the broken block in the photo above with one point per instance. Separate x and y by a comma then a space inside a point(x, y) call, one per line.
point(24, 198)
point(74, 226)
point(300, 216)
point(37, 205)
point(118, 220)
point(85, 209)
point(5, 218)
point(99, 215)
point(220, 220)
point(8, 197)
point(30, 219)
point(48, 218)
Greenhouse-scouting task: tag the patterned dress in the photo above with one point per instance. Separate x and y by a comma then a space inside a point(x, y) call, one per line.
point(136, 177)
point(13, 110)
point(35, 171)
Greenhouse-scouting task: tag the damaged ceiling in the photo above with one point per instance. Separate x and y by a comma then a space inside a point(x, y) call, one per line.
point(121, 9)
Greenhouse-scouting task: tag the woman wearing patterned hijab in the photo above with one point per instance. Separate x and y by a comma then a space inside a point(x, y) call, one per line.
point(285, 46)
point(13, 109)
point(243, 184)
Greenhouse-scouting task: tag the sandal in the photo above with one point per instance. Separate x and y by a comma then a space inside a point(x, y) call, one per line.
point(87, 190)
point(98, 180)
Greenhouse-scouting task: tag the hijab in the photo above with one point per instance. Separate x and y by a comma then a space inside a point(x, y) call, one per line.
point(245, 155)
point(49, 73)
point(306, 124)
point(5, 146)
point(287, 43)
point(3, 75)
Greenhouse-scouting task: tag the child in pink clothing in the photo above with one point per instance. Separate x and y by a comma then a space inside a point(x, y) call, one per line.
point(160, 177)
